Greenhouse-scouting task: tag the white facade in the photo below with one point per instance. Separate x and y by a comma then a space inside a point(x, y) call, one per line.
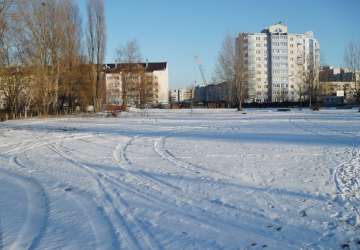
point(162, 77)
point(277, 60)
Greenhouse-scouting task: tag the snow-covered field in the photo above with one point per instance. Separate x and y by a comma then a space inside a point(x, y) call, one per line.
point(219, 179)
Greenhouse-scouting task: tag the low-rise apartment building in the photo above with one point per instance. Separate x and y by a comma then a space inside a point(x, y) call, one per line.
point(335, 81)
point(139, 82)
point(179, 95)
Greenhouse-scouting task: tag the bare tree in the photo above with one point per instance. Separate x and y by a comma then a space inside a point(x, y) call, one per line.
point(69, 84)
point(243, 71)
point(42, 48)
point(96, 46)
point(310, 81)
point(10, 73)
point(225, 67)
point(131, 70)
point(352, 62)
point(148, 88)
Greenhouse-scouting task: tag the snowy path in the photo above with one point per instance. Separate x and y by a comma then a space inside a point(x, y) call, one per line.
point(217, 180)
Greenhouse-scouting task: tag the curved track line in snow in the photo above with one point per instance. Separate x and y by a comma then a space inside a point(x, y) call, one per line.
point(98, 232)
point(36, 211)
point(116, 208)
point(159, 147)
point(226, 224)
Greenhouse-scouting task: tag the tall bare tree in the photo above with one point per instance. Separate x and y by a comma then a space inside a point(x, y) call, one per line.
point(310, 80)
point(233, 67)
point(69, 84)
point(42, 48)
point(96, 47)
point(244, 71)
point(225, 67)
point(10, 73)
point(129, 57)
point(352, 62)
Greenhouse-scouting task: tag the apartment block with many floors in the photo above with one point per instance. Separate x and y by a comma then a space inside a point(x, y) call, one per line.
point(277, 61)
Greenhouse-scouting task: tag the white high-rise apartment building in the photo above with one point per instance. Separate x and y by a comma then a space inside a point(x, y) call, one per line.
point(276, 62)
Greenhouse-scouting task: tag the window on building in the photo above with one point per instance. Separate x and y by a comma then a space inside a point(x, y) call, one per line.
point(258, 52)
point(258, 45)
point(258, 65)
point(258, 72)
point(258, 79)
point(259, 86)
point(258, 58)
point(291, 52)
point(291, 39)
point(291, 45)
point(257, 38)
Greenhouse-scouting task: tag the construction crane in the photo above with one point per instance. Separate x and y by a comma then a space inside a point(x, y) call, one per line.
point(200, 67)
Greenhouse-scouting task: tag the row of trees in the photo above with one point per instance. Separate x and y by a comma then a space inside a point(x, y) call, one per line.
point(43, 62)
point(233, 68)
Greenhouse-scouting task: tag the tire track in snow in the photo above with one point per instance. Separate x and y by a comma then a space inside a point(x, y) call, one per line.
point(96, 221)
point(165, 154)
point(159, 148)
point(116, 208)
point(208, 219)
point(36, 211)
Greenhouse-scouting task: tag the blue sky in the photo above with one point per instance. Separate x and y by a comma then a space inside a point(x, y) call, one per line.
point(168, 29)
